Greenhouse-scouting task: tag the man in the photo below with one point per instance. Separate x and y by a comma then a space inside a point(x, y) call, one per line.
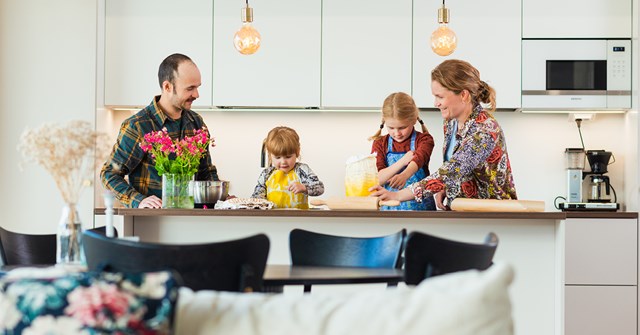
point(179, 80)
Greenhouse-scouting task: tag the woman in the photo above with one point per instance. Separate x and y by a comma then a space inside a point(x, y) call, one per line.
point(476, 163)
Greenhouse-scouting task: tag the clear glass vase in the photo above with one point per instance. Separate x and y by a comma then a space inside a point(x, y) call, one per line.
point(176, 191)
point(69, 237)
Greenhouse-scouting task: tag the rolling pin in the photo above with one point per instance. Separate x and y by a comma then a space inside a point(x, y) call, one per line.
point(366, 203)
point(493, 205)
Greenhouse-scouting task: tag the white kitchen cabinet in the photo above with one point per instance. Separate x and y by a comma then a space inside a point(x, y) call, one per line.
point(488, 37)
point(140, 34)
point(285, 71)
point(366, 51)
point(597, 310)
point(601, 252)
point(577, 19)
point(600, 276)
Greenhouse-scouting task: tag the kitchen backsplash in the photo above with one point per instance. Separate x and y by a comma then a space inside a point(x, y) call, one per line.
point(536, 144)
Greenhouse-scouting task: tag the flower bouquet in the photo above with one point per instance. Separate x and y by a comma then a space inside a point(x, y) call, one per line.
point(70, 153)
point(176, 161)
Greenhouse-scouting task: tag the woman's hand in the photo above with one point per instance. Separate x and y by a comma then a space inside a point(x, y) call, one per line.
point(439, 198)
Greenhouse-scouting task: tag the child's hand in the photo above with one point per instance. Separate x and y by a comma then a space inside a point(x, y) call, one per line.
point(398, 181)
point(297, 187)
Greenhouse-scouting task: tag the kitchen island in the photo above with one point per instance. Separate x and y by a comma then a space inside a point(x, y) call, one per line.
point(535, 244)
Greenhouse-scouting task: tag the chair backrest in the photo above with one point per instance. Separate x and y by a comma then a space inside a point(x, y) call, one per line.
point(315, 249)
point(427, 256)
point(236, 265)
point(103, 231)
point(27, 249)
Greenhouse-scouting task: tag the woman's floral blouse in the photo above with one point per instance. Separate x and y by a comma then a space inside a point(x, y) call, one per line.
point(479, 167)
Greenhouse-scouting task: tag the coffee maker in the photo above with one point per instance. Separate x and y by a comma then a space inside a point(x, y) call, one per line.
point(599, 182)
point(599, 186)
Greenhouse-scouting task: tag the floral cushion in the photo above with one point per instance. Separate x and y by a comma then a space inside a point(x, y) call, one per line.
point(88, 303)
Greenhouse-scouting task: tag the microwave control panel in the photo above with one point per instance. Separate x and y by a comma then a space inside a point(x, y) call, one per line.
point(618, 65)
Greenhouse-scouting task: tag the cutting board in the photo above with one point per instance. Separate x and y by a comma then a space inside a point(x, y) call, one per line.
point(493, 205)
point(361, 203)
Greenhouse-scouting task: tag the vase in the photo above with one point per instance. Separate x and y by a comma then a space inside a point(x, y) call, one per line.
point(176, 191)
point(69, 237)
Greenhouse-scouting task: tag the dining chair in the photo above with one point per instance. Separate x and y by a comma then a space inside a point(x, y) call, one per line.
point(427, 256)
point(309, 248)
point(27, 249)
point(236, 265)
point(31, 249)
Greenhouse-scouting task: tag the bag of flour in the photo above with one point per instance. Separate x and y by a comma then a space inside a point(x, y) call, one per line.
point(361, 175)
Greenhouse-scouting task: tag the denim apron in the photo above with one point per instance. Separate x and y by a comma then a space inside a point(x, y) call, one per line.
point(278, 193)
point(392, 157)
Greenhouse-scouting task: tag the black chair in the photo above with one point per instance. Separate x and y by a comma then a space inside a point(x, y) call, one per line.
point(309, 248)
point(103, 231)
point(427, 256)
point(236, 265)
point(27, 249)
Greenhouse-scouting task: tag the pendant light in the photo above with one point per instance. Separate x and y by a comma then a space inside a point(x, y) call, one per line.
point(247, 38)
point(443, 39)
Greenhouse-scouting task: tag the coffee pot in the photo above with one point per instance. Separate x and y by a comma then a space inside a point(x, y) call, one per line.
point(599, 186)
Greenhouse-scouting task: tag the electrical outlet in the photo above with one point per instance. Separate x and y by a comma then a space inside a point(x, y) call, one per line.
point(581, 116)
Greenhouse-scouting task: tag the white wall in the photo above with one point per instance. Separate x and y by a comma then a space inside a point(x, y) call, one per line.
point(48, 73)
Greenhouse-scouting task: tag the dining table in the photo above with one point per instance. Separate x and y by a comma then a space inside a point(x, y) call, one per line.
point(276, 276)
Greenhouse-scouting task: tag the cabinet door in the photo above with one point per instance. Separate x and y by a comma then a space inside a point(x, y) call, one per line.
point(601, 251)
point(488, 37)
point(366, 51)
point(576, 19)
point(596, 310)
point(140, 34)
point(285, 71)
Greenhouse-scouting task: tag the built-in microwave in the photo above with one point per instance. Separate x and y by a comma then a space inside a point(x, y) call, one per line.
point(576, 74)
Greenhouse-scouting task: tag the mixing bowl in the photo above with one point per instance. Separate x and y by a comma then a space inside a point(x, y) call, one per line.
point(208, 192)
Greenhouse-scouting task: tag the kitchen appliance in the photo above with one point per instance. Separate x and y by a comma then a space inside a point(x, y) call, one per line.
point(574, 164)
point(599, 185)
point(598, 161)
point(576, 74)
point(208, 192)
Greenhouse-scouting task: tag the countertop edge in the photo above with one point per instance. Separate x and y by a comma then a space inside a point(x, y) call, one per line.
point(366, 214)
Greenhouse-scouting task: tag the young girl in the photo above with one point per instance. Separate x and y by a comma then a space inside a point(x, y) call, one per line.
point(286, 182)
point(403, 154)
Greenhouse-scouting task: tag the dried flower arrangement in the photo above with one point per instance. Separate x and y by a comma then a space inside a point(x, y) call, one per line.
point(69, 152)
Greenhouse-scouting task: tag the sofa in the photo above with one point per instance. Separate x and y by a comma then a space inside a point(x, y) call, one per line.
point(469, 302)
point(56, 301)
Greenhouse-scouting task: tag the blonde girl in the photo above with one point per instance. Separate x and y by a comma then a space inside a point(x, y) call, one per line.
point(403, 154)
point(286, 182)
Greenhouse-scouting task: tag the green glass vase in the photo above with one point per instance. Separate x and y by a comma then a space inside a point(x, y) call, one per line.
point(176, 191)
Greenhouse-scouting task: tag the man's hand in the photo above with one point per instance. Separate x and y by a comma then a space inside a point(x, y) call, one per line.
point(150, 202)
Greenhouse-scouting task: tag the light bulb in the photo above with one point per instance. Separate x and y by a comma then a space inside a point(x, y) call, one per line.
point(443, 41)
point(247, 39)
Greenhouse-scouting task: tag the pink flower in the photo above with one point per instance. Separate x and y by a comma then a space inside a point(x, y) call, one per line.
point(100, 304)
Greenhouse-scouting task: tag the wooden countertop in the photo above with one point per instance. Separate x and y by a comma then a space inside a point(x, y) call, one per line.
point(365, 213)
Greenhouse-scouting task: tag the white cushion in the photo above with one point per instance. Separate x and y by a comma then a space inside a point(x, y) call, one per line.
point(469, 302)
